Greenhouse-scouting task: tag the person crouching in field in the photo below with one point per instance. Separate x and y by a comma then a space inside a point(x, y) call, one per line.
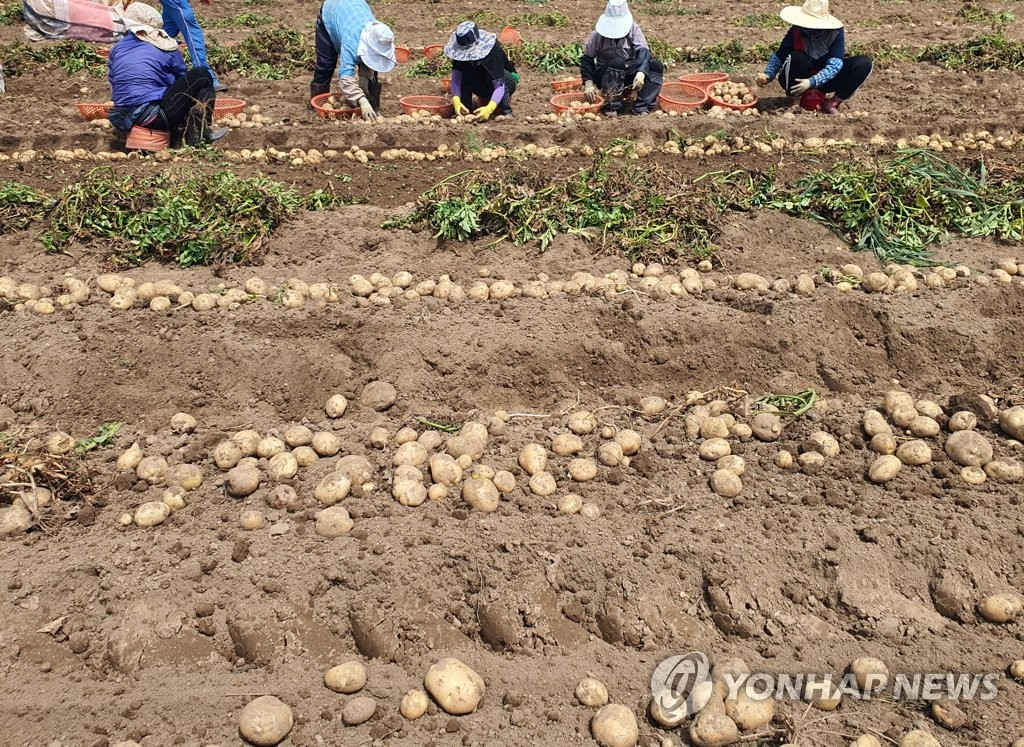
point(812, 61)
point(480, 68)
point(617, 61)
point(152, 88)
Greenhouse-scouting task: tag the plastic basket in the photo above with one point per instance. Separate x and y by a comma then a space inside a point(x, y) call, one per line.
point(89, 112)
point(143, 138)
point(225, 107)
point(324, 112)
point(736, 107)
point(566, 84)
point(433, 50)
point(703, 80)
point(562, 102)
point(681, 97)
point(430, 104)
point(510, 37)
point(402, 54)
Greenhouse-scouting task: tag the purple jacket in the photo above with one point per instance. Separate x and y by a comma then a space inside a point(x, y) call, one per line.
point(140, 73)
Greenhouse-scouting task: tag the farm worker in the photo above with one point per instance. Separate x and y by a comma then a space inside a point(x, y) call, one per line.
point(811, 60)
point(179, 18)
point(480, 68)
point(617, 61)
point(152, 88)
point(349, 37)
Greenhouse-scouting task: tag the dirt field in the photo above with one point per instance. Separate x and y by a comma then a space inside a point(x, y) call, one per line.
point(113, 633)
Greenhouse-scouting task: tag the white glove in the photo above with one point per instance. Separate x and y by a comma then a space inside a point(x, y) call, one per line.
point(590, 91)
point(638, 81)
point(367, 109)
point(762, 79)
point(800, 86)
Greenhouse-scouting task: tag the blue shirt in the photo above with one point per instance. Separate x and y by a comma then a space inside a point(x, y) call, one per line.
point(140, 73)
point(345, 21)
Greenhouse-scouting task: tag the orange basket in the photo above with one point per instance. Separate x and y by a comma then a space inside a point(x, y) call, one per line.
point(566, 84)
point(681, 97)
point(402, 54)
point(430, 104)
point(103, 51)
point(737, 107)
point(225, 107)
point(324, 112)
point(143, 138)
point(704, 80)
point(562, 102)
point(446, 84)
point(510, 37)
point(433, 50)
point(90, 112)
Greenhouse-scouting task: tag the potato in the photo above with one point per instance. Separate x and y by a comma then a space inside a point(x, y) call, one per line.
point(455, 687)
point(874, 423)
point(947, 713)
point(437, 492)
point(243, 480)
point(186, 476)
point(533, 458)
point(652, 406)
point(130, 457)
point(783, 459)
point(866, 740)
point(504, 481)
point(726, 483)
point(333, 521)
point(629, 440)
point(904, 416)
point(543, 484)
point(298, 435)
point(610, 454)
point(811, 462)
point(247, 441)
point(895, 399)
point(1005, 470)
point(252, 519)
point(766, 426)
point(713, 729)
point(964, 420)
point(582, 422)
point(174, 498)
point(1011, 421)
point(591, 692)
point(282, 466)
point(336, 406)
point(884, 468)
point(379, 437)
point(431, 440)
point(735, 464)
point(201, 302)
point(741, 431)
point(333, 488)
point(968, 448)
point(59, 442)
point(973, 475)
point(411, 453)
point(914, 452)
point(182, 422)
point(152, 469)
point(414, 704)
point(883, 443)
point(346, 678)
point(481, 494)
point(109, 283)
point(227, 454)
point(590, 511)
point(17, 519)
point(570, 504)
point(325, 443)
point(1001, 607)
point(919, 738)
point(714, 427)
point(924, 427)
point(378, 395)
point(405, 435)
point(358, 710)
point(566, 444)
point(445, 470)
point(269, 446)
point(265, 721)
point(823, 695)
point(304, 456)
point(615, 725)
point(152, 513)
point(408, 488)
point(713, 449)
point(928, 408)
point(824, 443)
point(357, 468)
point(749, 714)
point(1017, 670)
point(470, 441)
point(283, 497)
point(870, 673)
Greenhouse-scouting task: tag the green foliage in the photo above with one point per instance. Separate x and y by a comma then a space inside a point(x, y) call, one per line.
point(10, 13)
point(987, 52)
point(971, 12)
point(195, 219)
point(789, 405)
point(106, 434)
point(247, 19)
point(760, 21)
point(72, 56)
point(20, 206)
point(548, 57)
point(438, 67)
point(901, 207)
point(552, 20)
point(274, 54)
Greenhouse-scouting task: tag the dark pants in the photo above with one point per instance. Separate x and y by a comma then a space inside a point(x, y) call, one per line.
point(476, 82)
point(616, 84)
point(187, 108)
point(855, 71)
point(327, 60)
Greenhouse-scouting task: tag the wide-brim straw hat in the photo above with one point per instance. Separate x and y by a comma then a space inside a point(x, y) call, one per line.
point(147, 24)
point(468, 43)
point(377, 47)
point(616, 21)
point(813, 14)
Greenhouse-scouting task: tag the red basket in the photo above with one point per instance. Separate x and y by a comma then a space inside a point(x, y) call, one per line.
point(566, 84)
point(510, 37)
point(704, 80)
point(317, 104)
point(431, 104)
point(681, 97)
point(737, 107)
point(103, 51)
point(225, 107)
point(90, 112)
point(562, 102)
point(432, 50)
point(142, 138)
point(446, 84)
point(402, 54)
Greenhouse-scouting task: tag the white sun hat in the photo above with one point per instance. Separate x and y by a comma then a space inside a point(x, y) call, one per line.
point(616, 21)
point(813, 14)
point(377, 47)
point(147, 24)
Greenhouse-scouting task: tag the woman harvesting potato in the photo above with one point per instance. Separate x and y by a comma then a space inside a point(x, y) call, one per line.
point(812, 61)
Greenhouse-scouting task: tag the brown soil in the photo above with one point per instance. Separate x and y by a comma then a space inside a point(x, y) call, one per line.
point(168, 632)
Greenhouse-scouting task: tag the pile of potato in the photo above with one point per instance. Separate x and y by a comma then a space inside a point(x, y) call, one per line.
point(732, 92)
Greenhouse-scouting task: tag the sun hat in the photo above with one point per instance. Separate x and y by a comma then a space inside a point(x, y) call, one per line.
point(147, 24)
point(377, 47)
point(616, 21)
point(813, 14)
point(468, 43)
